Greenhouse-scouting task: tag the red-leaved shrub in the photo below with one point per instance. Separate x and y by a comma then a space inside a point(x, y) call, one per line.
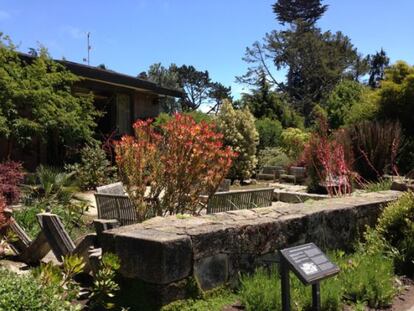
point(166, 171)
point(326, 163)
point(11, 176)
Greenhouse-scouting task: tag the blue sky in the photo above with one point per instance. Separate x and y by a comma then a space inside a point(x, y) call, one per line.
point(128, 36)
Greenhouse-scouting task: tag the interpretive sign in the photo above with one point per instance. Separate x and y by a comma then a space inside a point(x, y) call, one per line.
point(309, 263)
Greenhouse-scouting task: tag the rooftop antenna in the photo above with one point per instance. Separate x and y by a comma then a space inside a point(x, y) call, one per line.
point(88, 47)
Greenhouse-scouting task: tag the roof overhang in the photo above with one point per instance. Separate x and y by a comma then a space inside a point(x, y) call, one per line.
point(114, 78)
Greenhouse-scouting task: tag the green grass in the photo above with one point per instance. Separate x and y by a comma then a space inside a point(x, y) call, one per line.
point(215, 300)
point(365, 279)
point(381, 185)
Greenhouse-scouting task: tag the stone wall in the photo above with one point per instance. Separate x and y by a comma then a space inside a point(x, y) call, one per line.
point(167, 254)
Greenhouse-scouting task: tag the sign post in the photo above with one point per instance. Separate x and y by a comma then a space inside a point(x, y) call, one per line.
point(310, 265)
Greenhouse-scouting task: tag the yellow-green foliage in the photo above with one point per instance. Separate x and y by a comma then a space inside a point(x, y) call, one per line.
point(396, 94)
point(366, 108)
point(350, 102)
point(293, 141)
point(36, 100)
point(239, 131)
point(396, 226)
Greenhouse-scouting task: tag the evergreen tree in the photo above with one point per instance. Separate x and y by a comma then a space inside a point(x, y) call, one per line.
point(36, 101)
point(266, 103)
point(291, 11)
point(315, 61)
point(378, 63)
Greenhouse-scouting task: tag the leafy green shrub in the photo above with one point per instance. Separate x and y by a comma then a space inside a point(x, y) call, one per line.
point(261, 291)
point(269, 132)
point(239, 132)
point(94, 169)
point(367, 278)
point(396, 227)
point(72, 218)
point(273, 157)
point(28, 293)
point(349, 102)
point(293, 141)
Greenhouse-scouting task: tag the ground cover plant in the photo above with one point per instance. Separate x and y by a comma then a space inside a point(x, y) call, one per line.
point(214, 300)
point(27, 292)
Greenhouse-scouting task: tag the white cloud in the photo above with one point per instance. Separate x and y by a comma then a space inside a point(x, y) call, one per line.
point(74, 32)
point(4, 15)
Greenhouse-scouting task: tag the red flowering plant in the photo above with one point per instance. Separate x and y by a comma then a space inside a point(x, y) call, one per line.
point(326, 161)
point(166, 171)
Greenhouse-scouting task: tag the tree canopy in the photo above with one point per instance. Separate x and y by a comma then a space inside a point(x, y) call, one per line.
point(36, 100)
point(198, 87)
point(290, 11)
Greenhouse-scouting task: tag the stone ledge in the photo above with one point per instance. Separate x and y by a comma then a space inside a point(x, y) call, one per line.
point(215, 248)
point(296, 197)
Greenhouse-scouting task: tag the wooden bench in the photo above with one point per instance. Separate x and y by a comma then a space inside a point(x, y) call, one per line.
point(297, 175)
point(115, 188)
point(224, 186)
point(116, 206)
point(270, 172)
point(243, 199)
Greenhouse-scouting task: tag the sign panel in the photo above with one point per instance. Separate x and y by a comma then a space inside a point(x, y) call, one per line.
point(309, 263)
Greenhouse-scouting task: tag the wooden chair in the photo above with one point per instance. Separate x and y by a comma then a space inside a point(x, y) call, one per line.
point(224, 186)
point(59, 240)
point(243, 199)
point(116, 206)
point(27, 250)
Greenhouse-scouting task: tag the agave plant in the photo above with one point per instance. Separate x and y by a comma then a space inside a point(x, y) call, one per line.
point(49, 184)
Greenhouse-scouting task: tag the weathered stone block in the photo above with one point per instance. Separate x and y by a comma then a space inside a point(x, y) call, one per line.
point(211, 271)
point(150, 255)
